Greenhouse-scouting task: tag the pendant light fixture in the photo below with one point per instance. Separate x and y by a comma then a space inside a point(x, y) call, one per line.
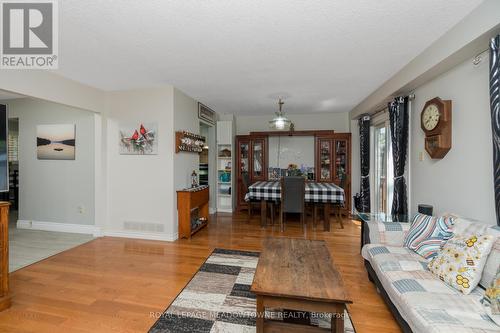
point(280, 122)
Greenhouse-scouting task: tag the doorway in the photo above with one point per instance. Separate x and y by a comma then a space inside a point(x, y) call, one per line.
point(203, 164)
point(52, 195)
point(383, 171)
point(207, 172)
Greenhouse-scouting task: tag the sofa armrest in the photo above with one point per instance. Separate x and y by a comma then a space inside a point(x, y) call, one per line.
point(386, 233)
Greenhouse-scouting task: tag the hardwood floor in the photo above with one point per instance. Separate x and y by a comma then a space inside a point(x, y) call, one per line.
point(118, 285)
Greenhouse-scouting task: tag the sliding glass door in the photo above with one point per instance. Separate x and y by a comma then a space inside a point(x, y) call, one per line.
point(383, 169)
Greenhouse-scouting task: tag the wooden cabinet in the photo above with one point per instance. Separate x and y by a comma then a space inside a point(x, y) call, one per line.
point(192, 207)
point(251, 160)
point(333, 162)
point(4, 256)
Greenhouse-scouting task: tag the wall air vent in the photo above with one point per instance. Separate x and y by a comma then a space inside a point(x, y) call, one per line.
point(143, 226)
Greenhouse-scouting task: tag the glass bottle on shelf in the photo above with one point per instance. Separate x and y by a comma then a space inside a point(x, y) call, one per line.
point(244, 150)
point(325, 152)
point(340, 159)
point(258, 158)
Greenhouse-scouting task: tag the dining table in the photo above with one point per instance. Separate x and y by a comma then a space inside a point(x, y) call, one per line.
point(327, 194)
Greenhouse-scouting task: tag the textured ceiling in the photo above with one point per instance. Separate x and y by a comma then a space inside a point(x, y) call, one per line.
point(237, 56)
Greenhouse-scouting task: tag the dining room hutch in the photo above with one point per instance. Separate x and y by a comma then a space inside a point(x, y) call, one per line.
point(332, 155)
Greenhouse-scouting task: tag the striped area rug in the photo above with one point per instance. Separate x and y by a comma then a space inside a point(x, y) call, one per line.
point(218, 299)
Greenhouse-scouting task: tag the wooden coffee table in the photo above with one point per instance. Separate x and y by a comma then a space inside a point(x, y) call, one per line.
point(298, 274)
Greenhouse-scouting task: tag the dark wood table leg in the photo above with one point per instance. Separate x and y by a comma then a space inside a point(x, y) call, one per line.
point(327, 217)
point(263, 213)
point(260, 314)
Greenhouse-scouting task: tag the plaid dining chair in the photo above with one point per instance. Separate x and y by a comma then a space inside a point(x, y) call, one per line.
point(337, 207)
point(250, 203)
point(293, 191)
point(255, 203)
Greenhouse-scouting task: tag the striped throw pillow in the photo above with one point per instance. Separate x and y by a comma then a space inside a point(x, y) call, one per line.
point(428, 234)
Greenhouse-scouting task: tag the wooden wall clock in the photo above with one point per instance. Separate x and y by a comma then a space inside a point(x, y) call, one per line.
point(435, 120)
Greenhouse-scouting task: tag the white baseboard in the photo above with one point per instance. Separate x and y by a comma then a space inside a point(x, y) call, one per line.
point(59, 227)
point(142, 235)
point(92, 230)
point(212, 210)
point(224, 210)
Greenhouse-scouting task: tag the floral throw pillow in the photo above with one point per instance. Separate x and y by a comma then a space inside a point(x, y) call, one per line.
point(491, 299)
point(428, 234)
point(461, 261)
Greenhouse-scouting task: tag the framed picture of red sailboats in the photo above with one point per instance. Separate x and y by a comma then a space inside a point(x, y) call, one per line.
point(139, 139)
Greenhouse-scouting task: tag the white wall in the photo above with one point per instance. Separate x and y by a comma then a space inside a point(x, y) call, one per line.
point(462, 182)
point(338, 122)
point(50, 190)
point(140, 188)
point(293, 149)
point(466, 39)
point(185, 119)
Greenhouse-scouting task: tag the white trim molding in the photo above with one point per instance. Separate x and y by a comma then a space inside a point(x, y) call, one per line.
point(142, 235)
point(60, 227)
point(92, 230)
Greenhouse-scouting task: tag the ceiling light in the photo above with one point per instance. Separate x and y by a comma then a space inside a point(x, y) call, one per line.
point(280, 122)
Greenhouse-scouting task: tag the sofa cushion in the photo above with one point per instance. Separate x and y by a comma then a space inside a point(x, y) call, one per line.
point(493, 261)
point(393, 258)
point(491, 299)
point(411, 287)
point(387, 233)
point(428, 234)
point(447, 311)
point(461, 261)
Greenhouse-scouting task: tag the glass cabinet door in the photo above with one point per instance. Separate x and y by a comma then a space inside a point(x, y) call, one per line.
point(244, 157)
point(258, 163)
point(243, 168)
point(340, 161)
point(325, 163)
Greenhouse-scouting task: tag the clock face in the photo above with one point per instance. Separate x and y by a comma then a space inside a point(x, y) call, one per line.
point(430, 117)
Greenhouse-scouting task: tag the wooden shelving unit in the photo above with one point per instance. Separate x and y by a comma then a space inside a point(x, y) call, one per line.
point(192, 204)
